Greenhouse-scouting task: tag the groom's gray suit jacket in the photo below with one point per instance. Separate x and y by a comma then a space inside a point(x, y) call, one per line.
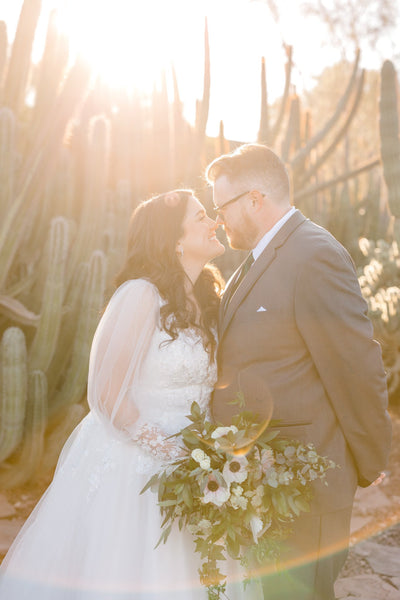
point(296, 339)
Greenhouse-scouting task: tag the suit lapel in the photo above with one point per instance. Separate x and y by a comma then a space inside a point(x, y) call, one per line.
point(231, 282)
point(257, 269)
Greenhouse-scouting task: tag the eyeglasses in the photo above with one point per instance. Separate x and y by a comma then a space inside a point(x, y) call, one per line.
point(219, 210)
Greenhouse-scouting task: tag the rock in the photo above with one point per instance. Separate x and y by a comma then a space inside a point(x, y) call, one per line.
point(8, 531)
point(6, 509)
point(367, 587)
point(384, 560)
point(362, 549)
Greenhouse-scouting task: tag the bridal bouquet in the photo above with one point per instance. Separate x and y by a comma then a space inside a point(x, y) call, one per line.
point(237, 490)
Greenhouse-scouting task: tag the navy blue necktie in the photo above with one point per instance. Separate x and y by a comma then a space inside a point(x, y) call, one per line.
point(242, 274)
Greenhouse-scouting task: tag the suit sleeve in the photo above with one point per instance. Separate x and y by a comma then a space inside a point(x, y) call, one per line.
point(331, 315)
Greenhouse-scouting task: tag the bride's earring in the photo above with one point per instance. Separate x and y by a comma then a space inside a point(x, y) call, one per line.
point(179, 251)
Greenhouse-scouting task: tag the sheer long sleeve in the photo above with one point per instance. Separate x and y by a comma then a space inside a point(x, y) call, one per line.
point(120, 345)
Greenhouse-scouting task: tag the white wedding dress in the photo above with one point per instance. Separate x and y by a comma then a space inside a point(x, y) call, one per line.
point(92, 536)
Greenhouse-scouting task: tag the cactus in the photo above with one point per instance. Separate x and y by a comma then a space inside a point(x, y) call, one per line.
point(380, 284)
point(92, 219)
point(16, 311)
point(318, 137)
point(116, 231)
point(45, 341)
point(30, 452)
point(268, 133)
point(51, 71)
point(194, 166)
point(264, 131)
point(74, 384)
point(384, 311)
point(292, 137)
point(3, 53)
point(13, 397)
point(389, 135)
point(7, 159)
point(20, 60)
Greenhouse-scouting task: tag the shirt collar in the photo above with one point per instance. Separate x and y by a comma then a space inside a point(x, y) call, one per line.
point(265, 240)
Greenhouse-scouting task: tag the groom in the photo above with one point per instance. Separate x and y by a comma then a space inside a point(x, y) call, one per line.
point(296, 340)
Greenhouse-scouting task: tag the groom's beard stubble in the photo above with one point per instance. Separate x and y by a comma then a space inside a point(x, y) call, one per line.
point(243, 238)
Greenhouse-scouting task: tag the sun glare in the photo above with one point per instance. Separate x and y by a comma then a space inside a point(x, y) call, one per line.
point(128, 43)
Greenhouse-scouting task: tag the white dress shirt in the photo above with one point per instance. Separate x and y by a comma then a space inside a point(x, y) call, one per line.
point(265, 240)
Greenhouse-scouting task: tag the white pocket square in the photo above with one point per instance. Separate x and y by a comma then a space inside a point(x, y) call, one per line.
point(261, 309)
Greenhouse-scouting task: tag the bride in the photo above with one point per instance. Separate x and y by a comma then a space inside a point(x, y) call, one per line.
point(92, 536)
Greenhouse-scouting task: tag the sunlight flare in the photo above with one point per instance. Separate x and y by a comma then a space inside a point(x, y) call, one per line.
point(130, 44)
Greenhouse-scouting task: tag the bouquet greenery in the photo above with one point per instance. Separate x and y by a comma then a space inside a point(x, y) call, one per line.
point(237, 489)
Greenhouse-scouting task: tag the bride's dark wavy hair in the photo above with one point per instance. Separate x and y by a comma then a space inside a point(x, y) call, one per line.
point(155, 228)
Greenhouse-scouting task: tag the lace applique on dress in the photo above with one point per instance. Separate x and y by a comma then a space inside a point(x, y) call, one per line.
point(154, 441)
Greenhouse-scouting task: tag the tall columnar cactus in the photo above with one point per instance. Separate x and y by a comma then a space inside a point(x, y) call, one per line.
point(20, 61)
point(389, 133)
point(75, 380)
point(30, 451)
point(3, 53)
point(268, 132)
point(292, 140)
point(116, 231)
point(8, 153)
point(198, 143)
point(13, 391)
point(45, 341)
point(51, 70)
point(90, 235)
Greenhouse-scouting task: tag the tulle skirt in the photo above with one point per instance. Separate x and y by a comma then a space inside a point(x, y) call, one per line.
point(92, 536)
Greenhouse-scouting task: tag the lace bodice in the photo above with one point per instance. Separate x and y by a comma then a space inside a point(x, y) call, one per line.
point(174, 375)
point(142, 383)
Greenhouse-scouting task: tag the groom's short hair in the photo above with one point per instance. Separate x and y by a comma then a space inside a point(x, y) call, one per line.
point(256, 166)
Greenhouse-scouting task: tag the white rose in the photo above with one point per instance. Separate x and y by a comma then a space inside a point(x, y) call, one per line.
point(221, 431)
point(198, 455)
point(205, 525)
point(205, 463)
point(238, 490)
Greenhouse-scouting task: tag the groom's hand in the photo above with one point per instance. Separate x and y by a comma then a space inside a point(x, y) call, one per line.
point(379, 479)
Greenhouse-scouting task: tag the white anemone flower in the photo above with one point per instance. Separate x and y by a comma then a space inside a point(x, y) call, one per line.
point(235, 469)
point(221, 431)
point(215, 493)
